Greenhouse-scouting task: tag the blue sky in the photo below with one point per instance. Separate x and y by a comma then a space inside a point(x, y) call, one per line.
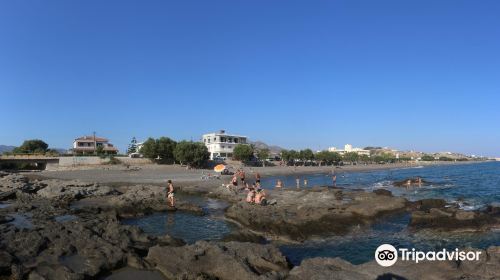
point(421, 75)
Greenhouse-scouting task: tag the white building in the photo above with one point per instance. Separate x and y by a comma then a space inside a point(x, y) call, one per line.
point(222, 145)
point(349, 149)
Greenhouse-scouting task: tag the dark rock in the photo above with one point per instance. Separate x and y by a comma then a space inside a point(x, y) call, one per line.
point(383, 192)
point(413, 183)
point(453, 219)
point(326, 268)
point(427, 204)
point(243, 235)
point(216, 260)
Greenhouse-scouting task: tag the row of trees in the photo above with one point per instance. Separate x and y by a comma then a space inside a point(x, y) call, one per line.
point(166, 150)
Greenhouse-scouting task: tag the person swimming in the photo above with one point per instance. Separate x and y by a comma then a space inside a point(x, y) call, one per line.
point(279, 184)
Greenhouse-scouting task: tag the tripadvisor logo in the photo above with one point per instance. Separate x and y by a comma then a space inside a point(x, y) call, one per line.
point(386, 255)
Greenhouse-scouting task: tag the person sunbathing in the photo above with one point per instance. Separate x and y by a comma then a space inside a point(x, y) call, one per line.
point(260, 197)
point(251, 195)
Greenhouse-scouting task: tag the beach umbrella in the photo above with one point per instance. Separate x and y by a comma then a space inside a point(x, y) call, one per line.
point(219, 168)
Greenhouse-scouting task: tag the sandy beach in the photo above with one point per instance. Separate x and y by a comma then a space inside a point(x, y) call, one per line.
point(159, 174)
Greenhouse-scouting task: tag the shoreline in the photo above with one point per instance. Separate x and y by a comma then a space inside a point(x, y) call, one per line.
point(153, 174)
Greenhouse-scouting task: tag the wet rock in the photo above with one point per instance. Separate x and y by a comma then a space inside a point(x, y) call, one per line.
point(326, 268)
point(414, 182)
point(7, 195)
point(300, 214)
point(5, 262)
point(243, 235)
point(453, 219)
point(427, 204)
point(383, 192)
point(216, 260)
point(493, 209)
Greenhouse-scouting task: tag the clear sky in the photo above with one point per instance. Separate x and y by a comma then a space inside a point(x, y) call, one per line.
point(420, 74)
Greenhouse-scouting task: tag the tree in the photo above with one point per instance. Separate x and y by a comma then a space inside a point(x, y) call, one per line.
point(243, 152)
point(99, 150)
point(192, 153)
point(328, 157)
point(364, 158)
point(427, 158)
point(445, 159)
point(306, 154)
point(263, 154)
point(132, 147)
point(149, 149)
point(34, 146)
point(351, 157)
point(165, 149)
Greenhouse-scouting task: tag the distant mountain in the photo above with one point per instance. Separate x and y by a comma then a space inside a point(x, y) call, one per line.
point(261, 145)
point(4, 148)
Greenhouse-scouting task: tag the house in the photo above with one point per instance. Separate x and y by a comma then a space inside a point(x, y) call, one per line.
point(349, 149)
point(221, 145)
point(88, 145)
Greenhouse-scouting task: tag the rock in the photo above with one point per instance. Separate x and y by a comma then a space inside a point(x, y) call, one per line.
point(383, 192)
point(427, 204)
point(243, 235)
point(453, 219)
point(493, 209)
point(300, 214)
point(413, 183)
point(7, 195)
point(5, 262)
point(326, 268)
point(216, 260)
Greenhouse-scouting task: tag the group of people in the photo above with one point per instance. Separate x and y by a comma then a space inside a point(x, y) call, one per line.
point(255, 193)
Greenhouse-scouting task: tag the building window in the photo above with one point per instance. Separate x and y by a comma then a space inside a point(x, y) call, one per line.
point(235, 140)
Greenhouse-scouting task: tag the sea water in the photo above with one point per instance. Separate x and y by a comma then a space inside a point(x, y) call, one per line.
point(471, 185)
point(187, 226)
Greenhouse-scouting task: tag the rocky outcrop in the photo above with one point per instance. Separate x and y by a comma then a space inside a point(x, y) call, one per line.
point(83, 247)
point(216, 260)
point(414, 182)
point(454, 219)
point(300, 214)
point(326, 268)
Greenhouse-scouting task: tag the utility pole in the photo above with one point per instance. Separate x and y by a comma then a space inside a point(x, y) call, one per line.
point(95, 145)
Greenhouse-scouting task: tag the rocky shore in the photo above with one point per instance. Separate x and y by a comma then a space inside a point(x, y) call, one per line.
point(58, 229)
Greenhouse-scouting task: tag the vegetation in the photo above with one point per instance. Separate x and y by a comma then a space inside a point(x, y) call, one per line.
point(328, 157)
point(427, 158)
point(161, 149)
point(191, 153)
point(132, 147)
point(306, 155)
point(34, 146)
point(165, 148)
point(445, 159)
point(243, 152)
point(263, 154)
point(149, 148)
point(351, 157)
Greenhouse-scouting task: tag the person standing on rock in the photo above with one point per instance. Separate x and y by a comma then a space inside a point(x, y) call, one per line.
point(170, 193)
point(334, 178)
point(242, 176)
